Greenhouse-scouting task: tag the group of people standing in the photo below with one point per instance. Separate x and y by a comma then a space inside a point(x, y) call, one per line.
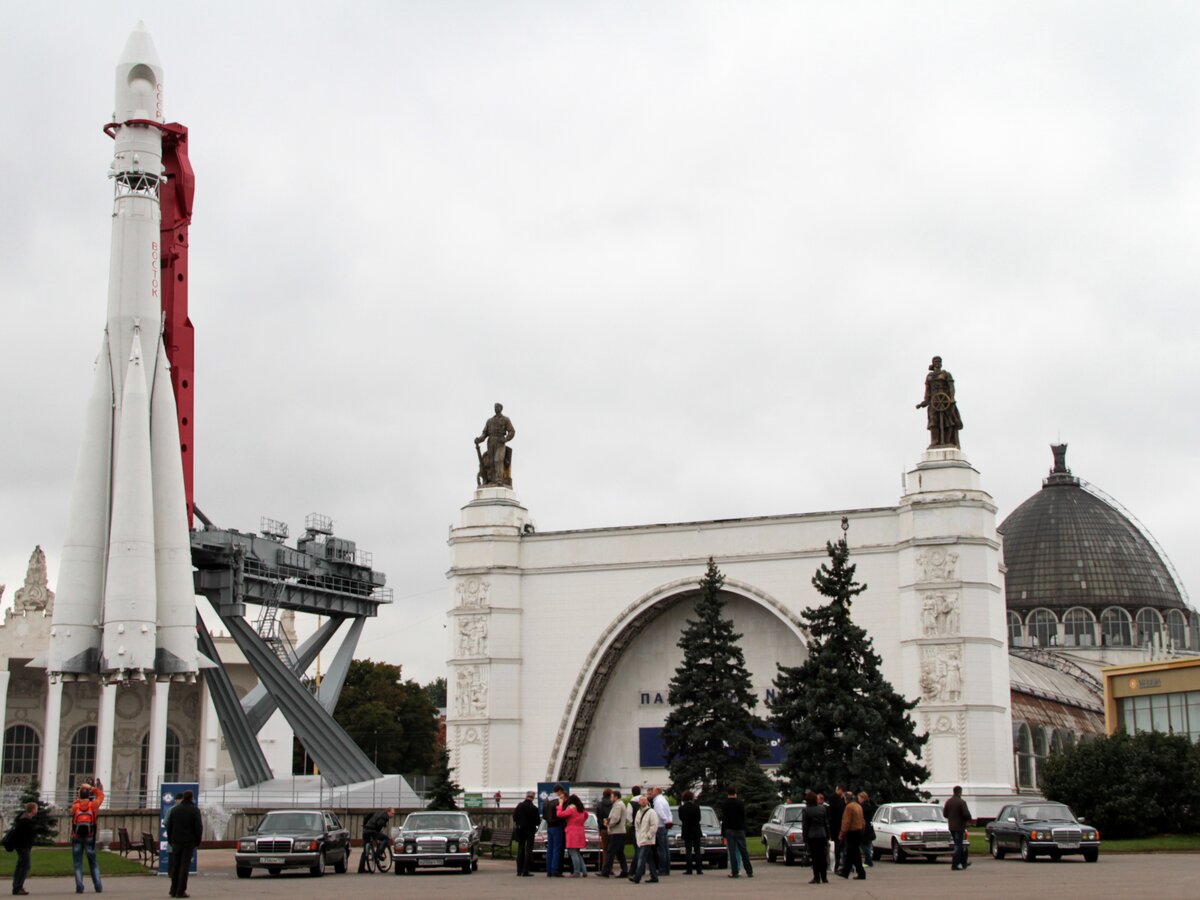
point(843, 822)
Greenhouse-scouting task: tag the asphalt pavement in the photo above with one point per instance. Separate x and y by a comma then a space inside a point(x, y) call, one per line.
point(1158, 876)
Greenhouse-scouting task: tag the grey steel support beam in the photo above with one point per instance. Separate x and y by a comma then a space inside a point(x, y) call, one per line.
point(249, 763)
point(339, 757)
point(259, 704)
point(335, 678)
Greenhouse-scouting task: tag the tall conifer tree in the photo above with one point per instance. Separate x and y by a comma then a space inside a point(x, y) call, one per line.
point(840, 720)
point(444, 790)
point(710, 734)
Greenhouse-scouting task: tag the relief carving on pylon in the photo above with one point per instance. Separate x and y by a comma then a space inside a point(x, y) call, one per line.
point(36, 594)
point(473, 592)
point(472, 635)
point(938, 564)
point(941, 674)
point(470, 695)
point(939, 613)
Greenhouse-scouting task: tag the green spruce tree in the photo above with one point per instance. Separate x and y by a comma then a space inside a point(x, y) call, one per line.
point(841, 722)
point(711, 733)
point(44, 828)
point(445, 789)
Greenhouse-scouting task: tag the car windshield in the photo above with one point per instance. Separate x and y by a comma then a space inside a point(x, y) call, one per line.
point(291, 822)
point(1046, 812)
point(708, 816)
point(437, 822)
point(917, 814)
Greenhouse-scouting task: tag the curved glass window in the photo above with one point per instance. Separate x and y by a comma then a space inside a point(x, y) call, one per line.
point(1016, 632)
point(1117, 627)
point(1079, 628)
point(1023, 749)
point(82, 764)
point(1176, 630)
point(1149, 627)
point(171, 766)
point(22, 751)
point(1043, 628)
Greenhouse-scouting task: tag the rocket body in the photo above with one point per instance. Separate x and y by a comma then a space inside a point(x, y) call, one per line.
point(128, 554)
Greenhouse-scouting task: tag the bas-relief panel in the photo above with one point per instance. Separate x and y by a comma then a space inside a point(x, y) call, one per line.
point(941, 674)
point(940, 614)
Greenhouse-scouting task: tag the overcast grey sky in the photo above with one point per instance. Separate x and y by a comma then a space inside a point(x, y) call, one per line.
point(701, 252)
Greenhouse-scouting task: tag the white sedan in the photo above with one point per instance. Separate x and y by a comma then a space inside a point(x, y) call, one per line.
point(911, 829)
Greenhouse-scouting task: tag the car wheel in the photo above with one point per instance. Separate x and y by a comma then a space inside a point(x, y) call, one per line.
point(243, 871)
point(771, 854)
point(274, 870)
point(789, 859)
point(994, 847)
point(898, 855)
point(319, 869)
point(1027, 852)
point(1091, 855)
point(342, 864)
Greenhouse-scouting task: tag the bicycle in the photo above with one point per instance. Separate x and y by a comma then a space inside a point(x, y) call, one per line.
point(377, 853)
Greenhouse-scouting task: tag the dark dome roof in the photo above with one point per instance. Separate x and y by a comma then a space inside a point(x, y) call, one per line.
point(1065, 546)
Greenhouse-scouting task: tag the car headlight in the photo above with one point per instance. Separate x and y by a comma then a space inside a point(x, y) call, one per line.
point(410, 847)
point(246, 846)
point(452, 847)
point(1092, 836)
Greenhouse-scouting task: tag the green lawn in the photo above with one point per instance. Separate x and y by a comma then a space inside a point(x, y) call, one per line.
point(57, 861)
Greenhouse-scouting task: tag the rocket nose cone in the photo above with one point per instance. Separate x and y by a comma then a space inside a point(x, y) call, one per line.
point(139, 48)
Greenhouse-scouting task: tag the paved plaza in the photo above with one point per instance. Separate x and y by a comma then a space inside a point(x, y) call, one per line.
point(1159, 876)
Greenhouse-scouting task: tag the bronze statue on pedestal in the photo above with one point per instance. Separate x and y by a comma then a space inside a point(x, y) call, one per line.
point(943, 420)
point(495, 465)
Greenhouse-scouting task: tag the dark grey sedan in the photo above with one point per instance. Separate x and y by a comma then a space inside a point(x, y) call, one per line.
point(294, 839)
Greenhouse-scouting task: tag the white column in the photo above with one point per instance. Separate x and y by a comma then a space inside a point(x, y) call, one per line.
point(210, 738)
point(4, 675)
point(158, 739)
point(51, 730)
point(106, 728)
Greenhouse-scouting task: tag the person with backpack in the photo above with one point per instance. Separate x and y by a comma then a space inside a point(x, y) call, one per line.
point(84, 813)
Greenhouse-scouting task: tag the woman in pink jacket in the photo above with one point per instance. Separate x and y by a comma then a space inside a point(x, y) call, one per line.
point(575, 815)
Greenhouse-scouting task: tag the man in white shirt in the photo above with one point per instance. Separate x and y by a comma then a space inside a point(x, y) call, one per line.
point(663, 809)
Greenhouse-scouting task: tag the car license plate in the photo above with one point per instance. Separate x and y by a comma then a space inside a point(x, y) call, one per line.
point(1068, 845)
point(431, 861)
point(938, 846)
point(271, 860)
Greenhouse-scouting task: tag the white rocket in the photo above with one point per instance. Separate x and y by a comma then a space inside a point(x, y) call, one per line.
point(125, 606)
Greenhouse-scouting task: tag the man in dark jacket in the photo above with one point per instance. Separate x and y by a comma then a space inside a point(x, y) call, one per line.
point(556, 840)
point(185, 828)
point(22, 843)
point(692, 834)
point(525, 826)
point(958, 816)
point(837, 805)
point(733, 827)
point(603, 808)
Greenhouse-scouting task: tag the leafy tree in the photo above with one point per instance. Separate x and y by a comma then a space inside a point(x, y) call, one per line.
point(840, 720)
point(436, 690)
point(711, 733)
point(1129, 785)
point(445, 789)
point(392, 719)
point(45, 829)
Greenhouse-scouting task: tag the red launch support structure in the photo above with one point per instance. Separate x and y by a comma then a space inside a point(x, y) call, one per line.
point(175, 203)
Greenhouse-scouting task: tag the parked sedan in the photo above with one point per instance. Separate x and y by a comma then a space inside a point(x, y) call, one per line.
point(911, 829)
point(712, 844)
point(430, 839)
point(294, 839)
point(781, 835)
point(591, 852)
point(1040, 828)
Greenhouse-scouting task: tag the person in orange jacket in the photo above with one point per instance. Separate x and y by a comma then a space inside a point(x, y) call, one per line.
point(84, 813)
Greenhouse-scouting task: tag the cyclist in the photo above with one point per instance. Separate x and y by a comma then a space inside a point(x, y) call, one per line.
point(376, 837)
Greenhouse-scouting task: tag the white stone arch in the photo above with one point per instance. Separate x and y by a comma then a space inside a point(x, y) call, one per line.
point(610, 646)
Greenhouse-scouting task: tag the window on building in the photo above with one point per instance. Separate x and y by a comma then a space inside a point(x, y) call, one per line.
point(1023, 748)
point(1079, 628)
point(1193, 705)
point(22, 751)
point(1117, 627)
point(1149, 627)
point(1177, 630)
point(171, 765)
point(1016, 633)
point(81, 766)
point(1041, 749)
point(1043, 628)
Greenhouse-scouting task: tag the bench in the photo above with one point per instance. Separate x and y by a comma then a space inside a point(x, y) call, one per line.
point(149, 852)
point(501, 840)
